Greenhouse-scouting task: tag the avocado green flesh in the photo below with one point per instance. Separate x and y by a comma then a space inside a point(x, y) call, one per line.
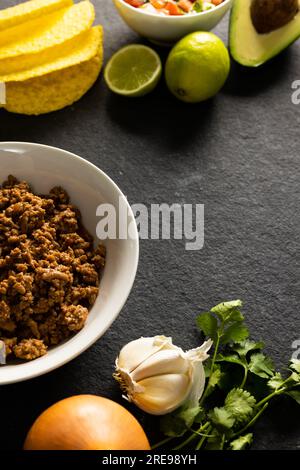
point(248, 47)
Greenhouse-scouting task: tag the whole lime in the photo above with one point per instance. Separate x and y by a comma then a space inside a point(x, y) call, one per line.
point(197, 67)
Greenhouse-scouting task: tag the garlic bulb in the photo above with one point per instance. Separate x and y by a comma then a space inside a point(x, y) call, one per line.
point(158, 376)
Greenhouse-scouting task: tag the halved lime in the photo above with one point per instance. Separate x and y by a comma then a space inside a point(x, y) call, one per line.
point(133, 71)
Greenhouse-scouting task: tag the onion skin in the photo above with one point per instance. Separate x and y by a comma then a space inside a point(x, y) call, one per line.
point(86, 422)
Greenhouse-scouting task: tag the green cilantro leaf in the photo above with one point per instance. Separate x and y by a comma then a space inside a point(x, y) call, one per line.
point(221, 419)
point(295, 394)
point(244, 347)
point(240, 404)
point(242, 442)
point(229, 311)
point(276, 381)
point(208, 324)
point(215, 378)
point(190, 415)
point(234, 333)
point(228, 327)
point(232, 359)
point(172, 426)
point(295, 378)
point(261, 365)
point(295, 365)
point(177, 423)
point(214, 442)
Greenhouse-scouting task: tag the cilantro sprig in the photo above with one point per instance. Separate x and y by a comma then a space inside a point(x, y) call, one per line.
point(241, 384)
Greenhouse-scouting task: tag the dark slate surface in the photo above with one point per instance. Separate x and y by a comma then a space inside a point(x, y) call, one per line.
point(237, 154)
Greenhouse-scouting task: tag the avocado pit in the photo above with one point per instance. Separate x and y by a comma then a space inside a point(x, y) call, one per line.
point(269, 15)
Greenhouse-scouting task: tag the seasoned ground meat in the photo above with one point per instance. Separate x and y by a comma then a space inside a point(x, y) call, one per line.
point(30, 349)
point(49, 269)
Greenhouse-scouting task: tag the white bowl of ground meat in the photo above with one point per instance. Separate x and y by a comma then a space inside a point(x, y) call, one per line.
point(61, 287)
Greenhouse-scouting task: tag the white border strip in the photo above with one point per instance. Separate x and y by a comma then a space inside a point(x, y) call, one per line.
point(2, 93)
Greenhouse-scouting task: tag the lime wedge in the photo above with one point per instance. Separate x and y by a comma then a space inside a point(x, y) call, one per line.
point(133, 71)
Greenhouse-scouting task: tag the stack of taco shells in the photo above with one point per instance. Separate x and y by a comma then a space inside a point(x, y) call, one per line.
point(50, 54)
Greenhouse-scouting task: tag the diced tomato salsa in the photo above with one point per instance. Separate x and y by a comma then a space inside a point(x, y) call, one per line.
point(174, 7)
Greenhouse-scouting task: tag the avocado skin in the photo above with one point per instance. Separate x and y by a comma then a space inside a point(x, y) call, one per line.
point(269, 15)
point(237, 39)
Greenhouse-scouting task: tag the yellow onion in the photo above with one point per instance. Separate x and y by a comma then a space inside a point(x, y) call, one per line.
point(86, 422)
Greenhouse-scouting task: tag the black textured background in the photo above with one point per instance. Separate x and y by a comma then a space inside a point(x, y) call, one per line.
point(237, 154)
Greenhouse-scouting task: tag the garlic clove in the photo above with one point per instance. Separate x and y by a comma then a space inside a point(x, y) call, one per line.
point(162, 394)
point(200, 354)
point(198, 384)
point(135, 352)
point(169, 361)
point(163, 342)
point(197, 356)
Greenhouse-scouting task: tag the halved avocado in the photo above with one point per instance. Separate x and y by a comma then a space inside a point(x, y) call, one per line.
point(251, 48)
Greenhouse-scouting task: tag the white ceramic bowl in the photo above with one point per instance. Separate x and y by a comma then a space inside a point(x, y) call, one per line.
point(45, 167)
point(165, 29)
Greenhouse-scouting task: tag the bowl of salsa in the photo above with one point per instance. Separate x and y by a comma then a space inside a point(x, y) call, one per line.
point(167, 21)
point(174, 7)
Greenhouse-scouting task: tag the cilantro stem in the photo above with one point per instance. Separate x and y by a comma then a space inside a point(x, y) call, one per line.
point(251, 422)
point(201, 434)
point(217, 345)
point(245, 377)
point(269, 397)
point(215, 352)
point(203, 439)
point(191, 438)
point(277, 392)
point(222, 442)
point(163, 442)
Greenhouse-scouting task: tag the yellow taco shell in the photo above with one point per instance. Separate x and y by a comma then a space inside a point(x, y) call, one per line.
point(46, 32)
point(27, 11)
point(55, 90)
point(79, 49)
